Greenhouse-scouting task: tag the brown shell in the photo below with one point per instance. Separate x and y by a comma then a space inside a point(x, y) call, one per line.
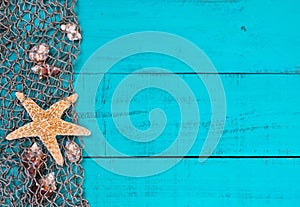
point(33, 160)
point(44, 188)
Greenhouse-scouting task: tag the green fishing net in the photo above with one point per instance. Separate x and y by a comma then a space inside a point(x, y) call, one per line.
point(23, 25)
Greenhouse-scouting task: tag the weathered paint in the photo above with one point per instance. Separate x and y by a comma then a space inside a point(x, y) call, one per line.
point(247, 37)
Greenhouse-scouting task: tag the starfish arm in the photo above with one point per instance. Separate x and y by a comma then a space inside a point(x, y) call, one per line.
point(66, 128)
point(28, 130)
point(51, 144)
point(31, 107)
point(57, 109)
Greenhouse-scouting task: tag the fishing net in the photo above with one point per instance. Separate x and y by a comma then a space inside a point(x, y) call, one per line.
point(23, 25)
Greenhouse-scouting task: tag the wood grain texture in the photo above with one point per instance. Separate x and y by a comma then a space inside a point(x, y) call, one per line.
point(238, 36)
point(217, 182)
point(262, 115)
point(255, 46)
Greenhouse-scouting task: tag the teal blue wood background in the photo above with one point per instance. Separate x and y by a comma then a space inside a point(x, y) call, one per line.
point(255, 46)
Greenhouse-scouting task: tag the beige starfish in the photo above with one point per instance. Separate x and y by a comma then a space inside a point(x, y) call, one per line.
point(47, 124)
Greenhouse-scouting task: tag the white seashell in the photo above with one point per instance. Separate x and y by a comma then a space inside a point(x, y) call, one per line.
point(36, 68)
point(78, 36)
point(71, 28)
point(74, 36)
point(48, 182)
point(35, 147)
point(73, 151)
point(72, 31)
point(32, 55)
point(39, 53)
point(43, 49)
point(63, 27)
point(70, 36)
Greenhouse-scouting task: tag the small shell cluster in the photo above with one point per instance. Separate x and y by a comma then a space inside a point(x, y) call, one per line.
point(45, 70)
point(72, 31)
point(47, 183)
point(33, 160)
point(44, 188)
point(39, 54)
point(73, 151)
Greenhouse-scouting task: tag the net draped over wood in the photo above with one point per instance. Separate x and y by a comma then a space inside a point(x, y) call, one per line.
point(23, 25)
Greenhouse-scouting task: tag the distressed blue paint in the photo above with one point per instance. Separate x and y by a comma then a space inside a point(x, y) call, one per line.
point(263, 110)
point(217, 182)
point(262, 119)
point(269, 44)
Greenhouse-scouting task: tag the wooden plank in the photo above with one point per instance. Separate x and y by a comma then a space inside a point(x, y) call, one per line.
point(238, 36)
point(217, 182)
point(262, 115)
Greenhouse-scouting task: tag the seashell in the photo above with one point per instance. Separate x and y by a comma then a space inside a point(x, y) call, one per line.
point(47, 183)
point(45, 70)
point(37, 57)
point(71, 28)
point(33, 160)
point(43, 49)
point(36, 68)
point(72, 31)
point(74, 36)
point(55, 70)
point(44, 188)
point(73, 151)
point(39, 53)
point(63, 27)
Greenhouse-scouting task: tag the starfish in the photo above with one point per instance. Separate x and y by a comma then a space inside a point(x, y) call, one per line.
point(47, 124)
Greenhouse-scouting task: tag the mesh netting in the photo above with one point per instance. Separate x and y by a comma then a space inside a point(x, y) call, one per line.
point(24, 24)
